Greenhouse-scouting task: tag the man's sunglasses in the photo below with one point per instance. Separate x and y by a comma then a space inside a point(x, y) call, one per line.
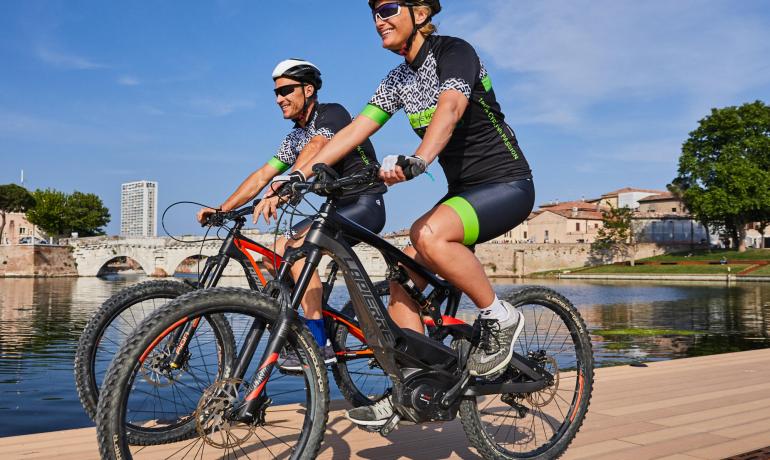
point(386, 11)
point(285, 90)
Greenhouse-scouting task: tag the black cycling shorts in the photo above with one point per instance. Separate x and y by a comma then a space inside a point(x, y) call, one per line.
point(367, 211)
point(489, 210)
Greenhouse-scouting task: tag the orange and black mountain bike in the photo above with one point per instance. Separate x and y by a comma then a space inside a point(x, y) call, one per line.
point(531, 409)
point(357, 374)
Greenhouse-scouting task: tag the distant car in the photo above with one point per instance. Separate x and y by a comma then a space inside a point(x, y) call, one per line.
point(32, 240)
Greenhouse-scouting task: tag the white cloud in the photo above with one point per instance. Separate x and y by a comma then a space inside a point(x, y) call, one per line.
point(215, 107)
point(128, 80)
point(64, 60)
point(32, 128)
point(569, 56)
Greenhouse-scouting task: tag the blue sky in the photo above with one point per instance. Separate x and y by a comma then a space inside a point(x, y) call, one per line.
point(600, 93)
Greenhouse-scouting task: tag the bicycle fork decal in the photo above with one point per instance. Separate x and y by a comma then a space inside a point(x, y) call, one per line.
point(262, 375)
point(161, 337)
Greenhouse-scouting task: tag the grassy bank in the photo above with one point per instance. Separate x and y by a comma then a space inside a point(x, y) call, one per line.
point(764, 271)
point(697, 262)
point(713, 255)
point(666, 269)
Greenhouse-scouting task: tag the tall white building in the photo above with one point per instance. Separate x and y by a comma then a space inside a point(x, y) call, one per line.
point(139, 209)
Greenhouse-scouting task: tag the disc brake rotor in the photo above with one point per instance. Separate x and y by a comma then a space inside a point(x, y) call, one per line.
point(545, 396)
point(155, 370)
point(211, 415)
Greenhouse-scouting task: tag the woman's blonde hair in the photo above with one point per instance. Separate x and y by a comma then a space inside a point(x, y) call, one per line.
point(429, 28)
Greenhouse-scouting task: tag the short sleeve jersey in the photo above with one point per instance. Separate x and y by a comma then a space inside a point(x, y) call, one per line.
point(483, 148)
point(327, 120)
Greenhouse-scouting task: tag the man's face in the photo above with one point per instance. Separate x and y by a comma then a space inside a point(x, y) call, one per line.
point(292, 103)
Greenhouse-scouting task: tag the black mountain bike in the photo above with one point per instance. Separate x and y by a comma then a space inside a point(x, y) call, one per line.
point(359, 380)
point(531, 409)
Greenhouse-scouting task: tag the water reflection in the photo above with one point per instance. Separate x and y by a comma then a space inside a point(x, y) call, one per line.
point(41, 321)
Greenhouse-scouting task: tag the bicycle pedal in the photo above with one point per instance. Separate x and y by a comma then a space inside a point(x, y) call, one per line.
point(390, 425)
point(368, 428)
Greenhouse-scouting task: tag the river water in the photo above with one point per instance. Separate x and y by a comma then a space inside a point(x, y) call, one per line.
point(41, 320)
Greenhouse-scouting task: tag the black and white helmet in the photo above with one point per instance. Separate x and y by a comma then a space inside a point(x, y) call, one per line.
point(299, 70)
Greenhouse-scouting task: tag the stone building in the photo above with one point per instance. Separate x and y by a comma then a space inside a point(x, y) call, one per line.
point(663, 218)
point(567, 222)
point(625, 197)
point(19, 230)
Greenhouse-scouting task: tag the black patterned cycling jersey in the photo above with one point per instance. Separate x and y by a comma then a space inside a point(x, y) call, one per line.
point(326, 120)
point(483, 148)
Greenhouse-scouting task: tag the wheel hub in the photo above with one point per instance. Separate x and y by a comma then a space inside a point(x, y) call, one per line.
point(213, 419)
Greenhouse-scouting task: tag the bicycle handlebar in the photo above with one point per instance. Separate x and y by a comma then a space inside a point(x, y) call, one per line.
point(219, 218)
point(327, 182)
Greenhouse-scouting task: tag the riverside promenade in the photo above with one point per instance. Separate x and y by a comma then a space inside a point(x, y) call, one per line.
point(711, 407)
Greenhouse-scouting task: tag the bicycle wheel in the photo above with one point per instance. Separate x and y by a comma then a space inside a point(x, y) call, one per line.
point(108, 328)
point(290, 424)
point(358, 376)
point(538, 425)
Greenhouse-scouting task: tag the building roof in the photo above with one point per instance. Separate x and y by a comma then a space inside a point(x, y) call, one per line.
point(580, 214)
point(665, 196)
point(579, 204)
point(630, 190)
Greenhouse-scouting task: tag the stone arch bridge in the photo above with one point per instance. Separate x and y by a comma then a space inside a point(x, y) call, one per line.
point(161, 256)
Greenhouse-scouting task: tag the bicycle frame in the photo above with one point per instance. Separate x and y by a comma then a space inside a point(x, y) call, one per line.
point(235, 246)
point(403, 354)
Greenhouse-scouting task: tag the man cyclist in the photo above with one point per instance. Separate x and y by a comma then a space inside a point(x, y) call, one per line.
point(297, 83)
point(450, 103)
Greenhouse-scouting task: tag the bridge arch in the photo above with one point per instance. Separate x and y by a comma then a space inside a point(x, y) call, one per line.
point(103, 265)
point(188, 265)
point(176, 255)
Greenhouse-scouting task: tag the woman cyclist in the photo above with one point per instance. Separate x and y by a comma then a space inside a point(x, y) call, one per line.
point(296, 87)
point(449, 101)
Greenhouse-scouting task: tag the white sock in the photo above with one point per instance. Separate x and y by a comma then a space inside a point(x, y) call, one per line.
point(496, 310)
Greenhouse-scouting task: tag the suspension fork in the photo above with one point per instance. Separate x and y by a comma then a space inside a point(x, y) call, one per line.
point(212, 273)
point(287, 316)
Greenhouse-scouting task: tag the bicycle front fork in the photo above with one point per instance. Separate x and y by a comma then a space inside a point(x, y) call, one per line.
point(287, 316)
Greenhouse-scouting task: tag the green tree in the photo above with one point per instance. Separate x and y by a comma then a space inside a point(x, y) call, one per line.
point(616, 236)
point(724, 169)
point(85, 214)
point(61, 214)
point(49, 211)
point(13, 198)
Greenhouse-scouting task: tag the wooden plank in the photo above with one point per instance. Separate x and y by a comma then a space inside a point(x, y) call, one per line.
point(679, 410)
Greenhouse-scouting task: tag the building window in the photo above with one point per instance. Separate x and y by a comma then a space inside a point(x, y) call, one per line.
point(673, 209)
point(22, 230)
point(525, 235)
point(577, 226)
point(596, 225)
point(545, 240)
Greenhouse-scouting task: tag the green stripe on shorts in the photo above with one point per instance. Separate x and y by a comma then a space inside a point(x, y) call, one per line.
point(278, 164)
point(468, 217)
point(375, 114)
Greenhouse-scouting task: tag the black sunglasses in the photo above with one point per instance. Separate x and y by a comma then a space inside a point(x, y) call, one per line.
point(386, 11)
point(285, 90)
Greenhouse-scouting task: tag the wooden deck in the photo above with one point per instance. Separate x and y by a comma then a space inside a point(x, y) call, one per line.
point(700, 408)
